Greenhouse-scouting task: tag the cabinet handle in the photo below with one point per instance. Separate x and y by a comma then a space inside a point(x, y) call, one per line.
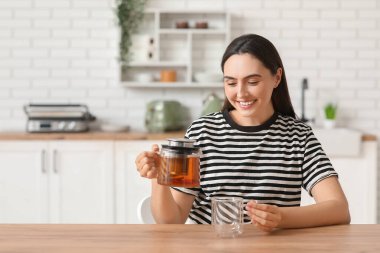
point(55, 169)
point(43, 161)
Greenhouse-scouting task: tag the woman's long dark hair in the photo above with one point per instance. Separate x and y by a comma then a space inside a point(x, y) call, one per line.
point(264, 50)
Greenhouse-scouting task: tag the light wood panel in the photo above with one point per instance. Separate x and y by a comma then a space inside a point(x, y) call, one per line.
point(184, 239)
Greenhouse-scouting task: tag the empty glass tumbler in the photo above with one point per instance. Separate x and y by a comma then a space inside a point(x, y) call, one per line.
point(227, 216)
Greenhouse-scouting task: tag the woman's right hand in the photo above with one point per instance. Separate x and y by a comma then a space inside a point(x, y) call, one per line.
point(148, 162)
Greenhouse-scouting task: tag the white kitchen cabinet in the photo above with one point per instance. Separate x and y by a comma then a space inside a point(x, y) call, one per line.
point(81, 182)
point(131, 187)
point(358, 177)
point(23, 182)
point(184, 50)
point(57, 182)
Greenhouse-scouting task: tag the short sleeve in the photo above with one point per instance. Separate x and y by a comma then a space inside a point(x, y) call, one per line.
point(191, 191)
point(316, 165)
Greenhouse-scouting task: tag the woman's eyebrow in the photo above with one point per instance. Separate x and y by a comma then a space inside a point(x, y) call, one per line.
point(249, 76)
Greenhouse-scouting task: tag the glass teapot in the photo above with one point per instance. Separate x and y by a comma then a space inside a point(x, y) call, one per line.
point(179, 163)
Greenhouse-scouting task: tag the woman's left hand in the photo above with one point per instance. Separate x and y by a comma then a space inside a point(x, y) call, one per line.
point(263, 216)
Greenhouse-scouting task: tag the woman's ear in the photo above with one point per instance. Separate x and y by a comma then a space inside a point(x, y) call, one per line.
point(278, 77)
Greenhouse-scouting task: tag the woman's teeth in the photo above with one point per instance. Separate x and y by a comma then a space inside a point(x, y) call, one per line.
point(246, 103)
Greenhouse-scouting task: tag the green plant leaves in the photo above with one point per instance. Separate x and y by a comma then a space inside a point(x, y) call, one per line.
point(130, 14)
point(330, 111)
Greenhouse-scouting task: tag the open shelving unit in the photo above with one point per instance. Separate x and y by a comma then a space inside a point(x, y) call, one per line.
point(184, 50)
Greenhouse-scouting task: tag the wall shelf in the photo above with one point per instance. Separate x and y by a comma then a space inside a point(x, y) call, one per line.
point(187, 51)
point(171, 85)
point(192, 31)
point(157, 64)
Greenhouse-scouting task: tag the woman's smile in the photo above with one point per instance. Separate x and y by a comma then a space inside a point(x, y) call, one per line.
point(246, 105)
point(248, 87)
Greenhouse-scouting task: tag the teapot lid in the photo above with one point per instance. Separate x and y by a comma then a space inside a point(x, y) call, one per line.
point(181, 146)
point(181, 142)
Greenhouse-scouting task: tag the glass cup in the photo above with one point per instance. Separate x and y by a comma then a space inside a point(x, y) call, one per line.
point(227, 216)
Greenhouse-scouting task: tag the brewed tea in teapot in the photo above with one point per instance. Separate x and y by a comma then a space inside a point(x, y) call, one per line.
point(179, 164)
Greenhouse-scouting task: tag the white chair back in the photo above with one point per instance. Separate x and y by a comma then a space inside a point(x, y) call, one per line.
point(144, 213)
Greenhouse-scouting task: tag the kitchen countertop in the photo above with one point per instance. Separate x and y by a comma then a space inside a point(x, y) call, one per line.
point(73, 238)
point(92, 135)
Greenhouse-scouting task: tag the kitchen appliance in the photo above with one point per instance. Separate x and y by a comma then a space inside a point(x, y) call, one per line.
point(165, 115)
point(68, 118)
point(211, 104)
point(179, 163)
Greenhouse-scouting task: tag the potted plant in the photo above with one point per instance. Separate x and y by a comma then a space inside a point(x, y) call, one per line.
point(130, 14)
point(330, 111)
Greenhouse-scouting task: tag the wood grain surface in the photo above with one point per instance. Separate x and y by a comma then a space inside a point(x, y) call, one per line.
point(183, 239)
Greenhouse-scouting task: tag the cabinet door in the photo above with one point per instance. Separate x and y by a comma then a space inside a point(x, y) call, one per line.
point(82, 181)
point(357, 176)
point(23, 182)
point(359, 182)
point(131, 188)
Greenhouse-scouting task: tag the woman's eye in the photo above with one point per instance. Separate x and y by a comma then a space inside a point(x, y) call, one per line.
point(253, 82)
point(231, 84)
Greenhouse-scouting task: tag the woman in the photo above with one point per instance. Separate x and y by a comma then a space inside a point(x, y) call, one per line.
point(255, 148)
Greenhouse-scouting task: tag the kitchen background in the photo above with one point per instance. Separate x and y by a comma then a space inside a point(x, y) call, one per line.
point(66, 51)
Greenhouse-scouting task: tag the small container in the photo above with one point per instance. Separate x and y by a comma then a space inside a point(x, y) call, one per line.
point(168, 75)
point(180, 163)
point(201, 25)
point(182, 25)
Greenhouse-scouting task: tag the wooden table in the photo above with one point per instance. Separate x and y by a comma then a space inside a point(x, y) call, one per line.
point(183, 239)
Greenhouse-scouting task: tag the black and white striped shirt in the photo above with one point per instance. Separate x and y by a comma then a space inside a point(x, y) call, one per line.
point(267, 163)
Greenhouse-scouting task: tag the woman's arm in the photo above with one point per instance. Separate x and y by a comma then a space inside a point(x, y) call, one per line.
point(331, 208)
point(169, 205)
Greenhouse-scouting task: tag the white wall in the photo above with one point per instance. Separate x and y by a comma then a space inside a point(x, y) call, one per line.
point(66, 51)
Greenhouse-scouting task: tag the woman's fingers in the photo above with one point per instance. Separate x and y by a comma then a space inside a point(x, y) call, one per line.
point(264, 216)
point(144, 169)
point(264, 222)
point(155, 148)
point(263, 211)
point(145, 157)
point(262, 227)
point(146, 163)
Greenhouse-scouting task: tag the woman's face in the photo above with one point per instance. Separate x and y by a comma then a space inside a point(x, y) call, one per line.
point(248, 86)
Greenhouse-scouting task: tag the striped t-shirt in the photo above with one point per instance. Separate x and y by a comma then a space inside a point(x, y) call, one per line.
point(267, 163)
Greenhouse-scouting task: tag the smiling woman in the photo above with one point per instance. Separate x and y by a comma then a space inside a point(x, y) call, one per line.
point(255, 149)
point(248, 88)
point(257, 60)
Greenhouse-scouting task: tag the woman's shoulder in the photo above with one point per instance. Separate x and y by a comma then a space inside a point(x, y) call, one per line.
point(290, 123)
point(211, 118)
point(209, 121)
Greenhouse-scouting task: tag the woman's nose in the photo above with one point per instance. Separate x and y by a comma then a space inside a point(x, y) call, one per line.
point(242, 90)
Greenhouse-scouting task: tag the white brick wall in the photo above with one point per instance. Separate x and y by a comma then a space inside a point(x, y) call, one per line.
point(66, 51)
